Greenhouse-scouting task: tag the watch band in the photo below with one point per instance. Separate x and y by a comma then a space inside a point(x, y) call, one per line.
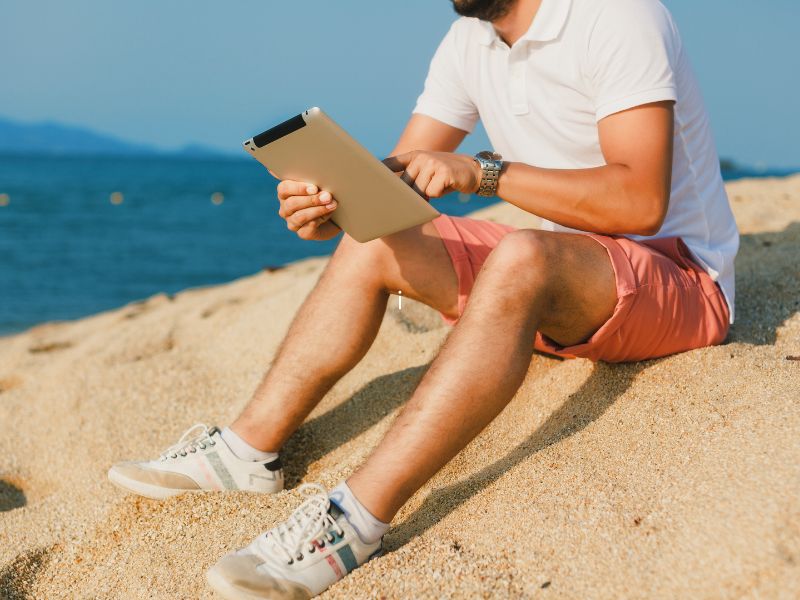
point(491, 164)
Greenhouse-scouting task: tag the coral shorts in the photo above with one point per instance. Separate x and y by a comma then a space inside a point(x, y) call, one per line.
point(665, 302)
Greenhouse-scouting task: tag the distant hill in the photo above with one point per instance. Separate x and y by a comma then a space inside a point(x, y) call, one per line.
point(56, 138)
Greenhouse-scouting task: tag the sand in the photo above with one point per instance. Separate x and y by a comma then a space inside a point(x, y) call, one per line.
point(671, 478)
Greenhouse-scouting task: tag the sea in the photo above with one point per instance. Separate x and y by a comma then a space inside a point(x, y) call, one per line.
point(80, 235)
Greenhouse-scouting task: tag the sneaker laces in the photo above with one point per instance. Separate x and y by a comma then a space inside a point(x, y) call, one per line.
point(197, 436)
point(307, 525)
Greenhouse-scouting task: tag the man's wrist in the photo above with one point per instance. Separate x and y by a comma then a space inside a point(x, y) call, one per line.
point(501, 176)
point(491, 165)
point(478, 172)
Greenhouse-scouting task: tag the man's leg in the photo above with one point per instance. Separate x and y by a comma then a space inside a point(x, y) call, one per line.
point(332, 331)
point(560, 284)
point(338, 322)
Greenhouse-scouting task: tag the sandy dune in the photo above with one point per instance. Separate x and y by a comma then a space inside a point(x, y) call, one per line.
point(674, 478)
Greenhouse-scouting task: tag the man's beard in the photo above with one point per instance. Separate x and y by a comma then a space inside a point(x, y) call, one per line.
point(485, 10)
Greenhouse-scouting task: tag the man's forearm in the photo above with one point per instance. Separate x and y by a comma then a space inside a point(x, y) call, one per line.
point(605, 199)
point(426, 133)
point(630, 194)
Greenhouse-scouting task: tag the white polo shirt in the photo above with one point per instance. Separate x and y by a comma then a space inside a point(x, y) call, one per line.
point(580, 61)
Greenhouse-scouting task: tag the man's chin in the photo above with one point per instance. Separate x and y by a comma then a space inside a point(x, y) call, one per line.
point(485, 10)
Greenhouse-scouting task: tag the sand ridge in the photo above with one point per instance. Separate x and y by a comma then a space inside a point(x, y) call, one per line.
point(678, 477)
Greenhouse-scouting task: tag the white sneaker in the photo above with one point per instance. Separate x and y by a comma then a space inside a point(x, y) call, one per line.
point(300, 558)
point(201, 461)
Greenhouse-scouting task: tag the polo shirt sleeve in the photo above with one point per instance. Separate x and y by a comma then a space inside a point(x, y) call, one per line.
point(444, 96)
point(632, 56)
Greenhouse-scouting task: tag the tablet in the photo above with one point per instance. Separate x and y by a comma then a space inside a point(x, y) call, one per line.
point(372, 200)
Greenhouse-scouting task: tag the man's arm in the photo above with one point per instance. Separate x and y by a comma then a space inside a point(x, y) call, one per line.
point(426, 133)
point(630, 194)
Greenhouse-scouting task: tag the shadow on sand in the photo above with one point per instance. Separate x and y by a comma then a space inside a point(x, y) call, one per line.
point(18, 576)
point(602, 388)
point(349, 419)
point(11, 496)
point(768, 284)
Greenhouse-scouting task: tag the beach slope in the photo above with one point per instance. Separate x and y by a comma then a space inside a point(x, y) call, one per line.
point(671, 478)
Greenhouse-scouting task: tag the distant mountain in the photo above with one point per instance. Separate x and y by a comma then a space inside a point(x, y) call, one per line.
point(201, 151)
point(56, 138)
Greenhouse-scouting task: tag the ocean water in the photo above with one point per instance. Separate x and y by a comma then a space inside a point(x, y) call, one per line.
point(67, 251)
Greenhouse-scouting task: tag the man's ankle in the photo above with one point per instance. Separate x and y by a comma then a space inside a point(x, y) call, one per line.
point(368, 527)
point(242, 449)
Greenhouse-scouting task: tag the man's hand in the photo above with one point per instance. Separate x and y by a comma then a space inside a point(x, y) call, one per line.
point(306, 210)
point(434, 174)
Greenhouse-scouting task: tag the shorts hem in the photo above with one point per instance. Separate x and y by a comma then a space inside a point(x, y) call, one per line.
point(451, 239)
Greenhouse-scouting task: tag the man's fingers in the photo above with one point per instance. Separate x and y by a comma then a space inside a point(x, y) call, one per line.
point(424, 179)
point(400, 162)
point(438, 186)
point(292, 204)
point(411, 177)
point(287, 188)
point(409, 167)
point(303, 216)
point(412, 183)
point(411, 173)
point(312, 229)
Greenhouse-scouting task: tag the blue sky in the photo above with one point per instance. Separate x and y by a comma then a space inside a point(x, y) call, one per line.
point(178, 71)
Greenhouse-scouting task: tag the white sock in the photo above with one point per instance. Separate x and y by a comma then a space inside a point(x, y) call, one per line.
point(367, 526)
point(244, 450)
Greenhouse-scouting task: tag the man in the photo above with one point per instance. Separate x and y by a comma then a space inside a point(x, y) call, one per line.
point(603, 134)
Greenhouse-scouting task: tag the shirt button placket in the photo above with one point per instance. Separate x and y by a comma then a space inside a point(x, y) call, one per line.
point(517, 70)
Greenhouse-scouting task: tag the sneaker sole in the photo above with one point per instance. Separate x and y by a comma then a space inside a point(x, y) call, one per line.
point(161, 493)
point(230, 592)
point(144, 489)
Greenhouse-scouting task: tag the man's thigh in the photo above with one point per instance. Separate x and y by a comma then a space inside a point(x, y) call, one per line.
point(415, 262)
point(616, 300)
point(583, 288)
point(665, 304)
point(582, 291)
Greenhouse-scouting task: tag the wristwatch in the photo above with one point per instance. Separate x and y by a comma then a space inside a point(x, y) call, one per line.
point(491, 163)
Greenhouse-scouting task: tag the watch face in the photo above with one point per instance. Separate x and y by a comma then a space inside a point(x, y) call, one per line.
point(488, 155)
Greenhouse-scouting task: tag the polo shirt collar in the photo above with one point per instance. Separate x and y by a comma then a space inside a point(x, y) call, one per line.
point(547, 24)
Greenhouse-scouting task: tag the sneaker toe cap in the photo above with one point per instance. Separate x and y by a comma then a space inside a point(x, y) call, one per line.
point(237, 576)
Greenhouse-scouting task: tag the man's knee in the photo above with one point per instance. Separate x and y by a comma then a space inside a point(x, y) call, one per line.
point(348, 244)
point(348, 250)
point(525, 256)
point(372, 261)
point(385, 253)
